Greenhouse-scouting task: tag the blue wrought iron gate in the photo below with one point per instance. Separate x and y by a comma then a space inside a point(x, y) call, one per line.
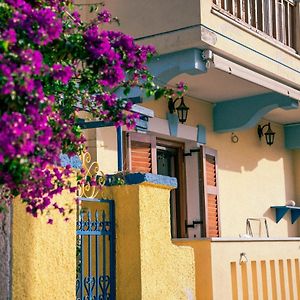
point(96, 275)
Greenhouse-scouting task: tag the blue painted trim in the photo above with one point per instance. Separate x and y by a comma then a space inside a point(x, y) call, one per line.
point(120, 148)
point(173, 123)
point(280, 211)
point(94, 124)
point(292, 136)
point(245, 112)
point(201, 134)
point(137, 178)
point(295, 214)
point(167, 66)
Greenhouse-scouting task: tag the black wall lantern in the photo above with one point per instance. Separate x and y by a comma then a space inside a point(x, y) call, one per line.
point(269, 134)
point(182, 109)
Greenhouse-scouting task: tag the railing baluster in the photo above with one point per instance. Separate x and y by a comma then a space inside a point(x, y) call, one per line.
point(270, 17)
point(104, 256)
point(276, 20)
point(233, 7)
point(81, 259)
point(89, 257)
point(97, 254)
point(263, 15)
point(285, 22)
point(290, 22)
point(241, 9)
point(112, 250)
point(256, 14)
point(248, 18)
point(282, 22)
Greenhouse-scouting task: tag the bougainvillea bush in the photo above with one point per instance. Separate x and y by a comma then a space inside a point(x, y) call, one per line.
point(52, 65)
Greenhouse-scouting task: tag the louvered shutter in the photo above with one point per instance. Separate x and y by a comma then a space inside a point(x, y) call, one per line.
point(141, 153)
point(210, 192)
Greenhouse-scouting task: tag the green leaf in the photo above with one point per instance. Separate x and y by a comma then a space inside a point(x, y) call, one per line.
point(4, 45)
point(158, 93)
point(126, 90)
point(149, 93)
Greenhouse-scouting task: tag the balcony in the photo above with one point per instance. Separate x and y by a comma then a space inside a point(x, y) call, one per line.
point(274, 19)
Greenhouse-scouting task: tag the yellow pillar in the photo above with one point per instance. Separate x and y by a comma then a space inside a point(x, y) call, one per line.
point(149, 265)
point(43, 255)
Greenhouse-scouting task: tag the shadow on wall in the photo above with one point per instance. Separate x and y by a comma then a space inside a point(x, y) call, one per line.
point(248, 151)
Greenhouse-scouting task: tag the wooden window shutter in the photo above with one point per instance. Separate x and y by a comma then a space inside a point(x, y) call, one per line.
point(140, 153)
point(210, 201)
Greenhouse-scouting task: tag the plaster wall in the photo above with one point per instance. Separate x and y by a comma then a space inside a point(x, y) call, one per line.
point(43, 255)
point(101, 143)
point(226, 256)
point(149, 265)
point(252, 175)
point(268, 269)
point(137, 16)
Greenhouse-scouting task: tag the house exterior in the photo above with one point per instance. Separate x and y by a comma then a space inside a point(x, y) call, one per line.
point(237, 201)
point(230, 230)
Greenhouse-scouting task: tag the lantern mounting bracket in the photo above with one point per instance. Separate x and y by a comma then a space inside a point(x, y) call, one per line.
point(269, 134)
point(182, 109)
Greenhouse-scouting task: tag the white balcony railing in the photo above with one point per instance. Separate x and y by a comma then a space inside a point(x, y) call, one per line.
point(273, 17)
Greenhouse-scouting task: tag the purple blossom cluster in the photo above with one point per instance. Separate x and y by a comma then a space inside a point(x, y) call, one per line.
point(40, 25)
point(117, 53)
point(104, 16)
point(49, 62)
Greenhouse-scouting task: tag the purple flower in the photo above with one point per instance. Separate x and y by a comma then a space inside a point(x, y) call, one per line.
point(10, 36)
point(76, 17)
point(64, 74)
point(33, 59)
point(104, 16)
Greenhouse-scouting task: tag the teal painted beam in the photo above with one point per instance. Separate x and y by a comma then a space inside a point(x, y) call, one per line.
point(280, 212)
point(246, 112)
point(292, 136)
point(295, 214)
point(167, 66)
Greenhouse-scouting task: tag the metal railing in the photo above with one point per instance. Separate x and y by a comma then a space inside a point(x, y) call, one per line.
point(273, 17)
point(96, 277)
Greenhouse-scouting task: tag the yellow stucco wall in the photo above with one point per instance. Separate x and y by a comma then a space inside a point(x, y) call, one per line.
point(203, 267)
point(252, 175)
point(149, 266)
point(43, 255)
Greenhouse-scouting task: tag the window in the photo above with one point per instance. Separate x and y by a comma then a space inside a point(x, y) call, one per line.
point(148, 154)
